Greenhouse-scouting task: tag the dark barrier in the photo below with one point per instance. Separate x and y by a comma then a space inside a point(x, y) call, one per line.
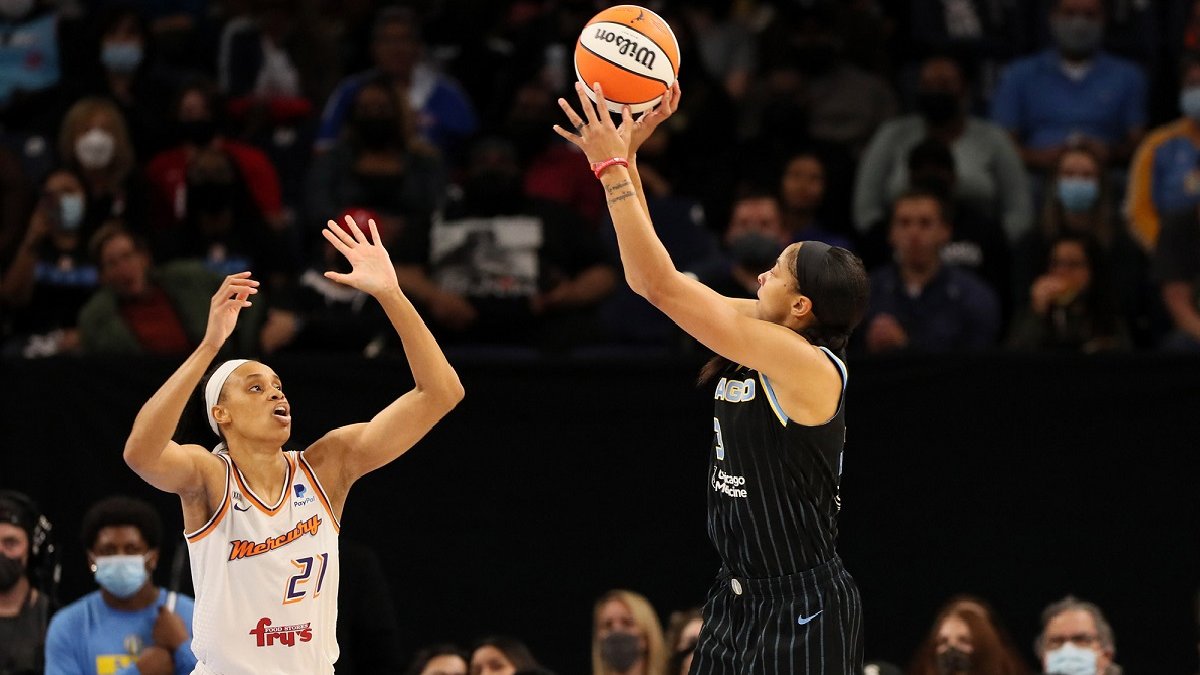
point(1018, 479)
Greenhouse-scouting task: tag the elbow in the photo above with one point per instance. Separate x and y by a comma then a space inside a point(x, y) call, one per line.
point(451, 393)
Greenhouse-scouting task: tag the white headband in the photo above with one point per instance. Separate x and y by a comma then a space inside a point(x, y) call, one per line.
point(212, 390)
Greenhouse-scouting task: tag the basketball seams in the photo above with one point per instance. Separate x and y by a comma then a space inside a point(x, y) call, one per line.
point(619, 66)
point(661, 48)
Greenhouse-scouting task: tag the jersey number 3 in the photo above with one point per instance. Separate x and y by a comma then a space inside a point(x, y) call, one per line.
point(720, 443)
point(292, 592)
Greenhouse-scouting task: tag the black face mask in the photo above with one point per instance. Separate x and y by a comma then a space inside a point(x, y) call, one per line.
point(953, 662)
point(210, 198)
point(11, 572)
point(197, 132)
point(377, 133)
point(937, 107)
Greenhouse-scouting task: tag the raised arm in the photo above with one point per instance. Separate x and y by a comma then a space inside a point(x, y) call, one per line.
point(719, 324)
point(149, 450)
point(346, 453)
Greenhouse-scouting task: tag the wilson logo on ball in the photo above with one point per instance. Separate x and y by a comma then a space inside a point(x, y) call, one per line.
point(631, 52)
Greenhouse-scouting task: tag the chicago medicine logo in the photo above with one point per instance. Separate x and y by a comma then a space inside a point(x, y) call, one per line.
point(268, 635)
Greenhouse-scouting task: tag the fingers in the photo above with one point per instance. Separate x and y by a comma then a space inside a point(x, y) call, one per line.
point(571, 116)
point(676, 92)
point(602, 105)
point(233, 281)
point(568, 135)
point(374, 231)
point(589, 110)
point(334, 239)
point(358, 234)
point(626, 116)
point(336, 276)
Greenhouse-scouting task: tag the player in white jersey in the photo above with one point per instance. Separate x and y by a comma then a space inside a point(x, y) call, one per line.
point(262, 524)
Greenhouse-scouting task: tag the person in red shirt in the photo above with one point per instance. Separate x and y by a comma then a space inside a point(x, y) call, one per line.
point(197, 128)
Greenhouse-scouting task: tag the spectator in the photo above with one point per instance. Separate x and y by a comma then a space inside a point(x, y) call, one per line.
point(442, 659)
point(627, 638)
point(223, 227)
point(966, 638)
point(1074, 94)
point(683, 631)
point(378, 164)
point(556, 170)
point(197, 126)
point(502, 268)
point(1078, 201)
point(1176, 268)
point(32, 65)
point(802, 191)
point(319, 314)
point(754, 239)
point(988, 174)
point(130, 625)
point(94, 142)
point(978, 244)
point(1165, 174)
point(14, 203)
point(500, 655)
point(1076, 638)
point(51, 277)
point(122, 68)
point(725, 45)
point(24, 608)
point(918, 302)
point(1072, 306)
point(146, 310)
point(445, 115)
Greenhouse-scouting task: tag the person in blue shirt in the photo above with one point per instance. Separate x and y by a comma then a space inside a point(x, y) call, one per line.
point(130, 626)
point(1074, 94)
point(918, 302)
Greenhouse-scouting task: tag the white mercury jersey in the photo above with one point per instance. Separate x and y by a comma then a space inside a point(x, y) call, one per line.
point(266, 578)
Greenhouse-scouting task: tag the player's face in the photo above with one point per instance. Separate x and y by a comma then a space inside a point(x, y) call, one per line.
point(446, 664)
point(1079, 628)
point(488, 660)
point(14, 543)
point(954, 634)
point(254, 400)
point(777, 291)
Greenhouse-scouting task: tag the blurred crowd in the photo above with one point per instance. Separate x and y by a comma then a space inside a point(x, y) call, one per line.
point(130, 624)
point(1014, 174)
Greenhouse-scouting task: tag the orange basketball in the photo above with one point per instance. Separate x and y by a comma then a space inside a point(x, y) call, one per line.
point(631, 52)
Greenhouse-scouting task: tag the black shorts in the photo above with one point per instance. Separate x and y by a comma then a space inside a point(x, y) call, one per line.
point(809, 623)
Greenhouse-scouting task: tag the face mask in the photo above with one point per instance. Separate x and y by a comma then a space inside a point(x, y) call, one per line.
point(754, 250)
point(620, 651)
point(197, 132)
point(15, 9)
point(376, 132)
point(1189, 103)
point(1071, 660)
point(1078, 194)
point(70, 211)
point(121, 58)
point(953, 661)
point(937, 107)
point(11, 571)
point(121, 575)
point(95, 149)
point(1077, 37)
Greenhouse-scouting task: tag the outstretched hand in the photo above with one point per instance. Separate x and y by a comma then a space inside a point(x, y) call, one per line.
point(231, 298)
point(372, 271)
point(597, 136)
point(643, 125)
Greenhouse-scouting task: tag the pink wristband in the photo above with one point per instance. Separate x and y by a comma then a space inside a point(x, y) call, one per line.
point(599, 167)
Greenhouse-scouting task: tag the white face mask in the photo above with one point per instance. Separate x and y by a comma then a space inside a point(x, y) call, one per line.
point(95, 149)
point(1071, 660)
point(15, 9)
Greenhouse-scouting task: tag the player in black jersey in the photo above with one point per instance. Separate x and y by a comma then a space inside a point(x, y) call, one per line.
point(782, 602)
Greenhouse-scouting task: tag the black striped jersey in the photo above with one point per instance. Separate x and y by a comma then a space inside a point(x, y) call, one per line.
point(773, 485)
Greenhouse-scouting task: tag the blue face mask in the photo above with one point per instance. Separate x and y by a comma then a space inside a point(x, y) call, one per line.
point(1189, 103)
point(1071, 660)
point(70, 211)
point(1078, 194)
point(122, 58)
point(121, 575)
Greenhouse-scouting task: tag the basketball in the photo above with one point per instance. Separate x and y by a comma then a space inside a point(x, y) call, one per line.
point(631, 52)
